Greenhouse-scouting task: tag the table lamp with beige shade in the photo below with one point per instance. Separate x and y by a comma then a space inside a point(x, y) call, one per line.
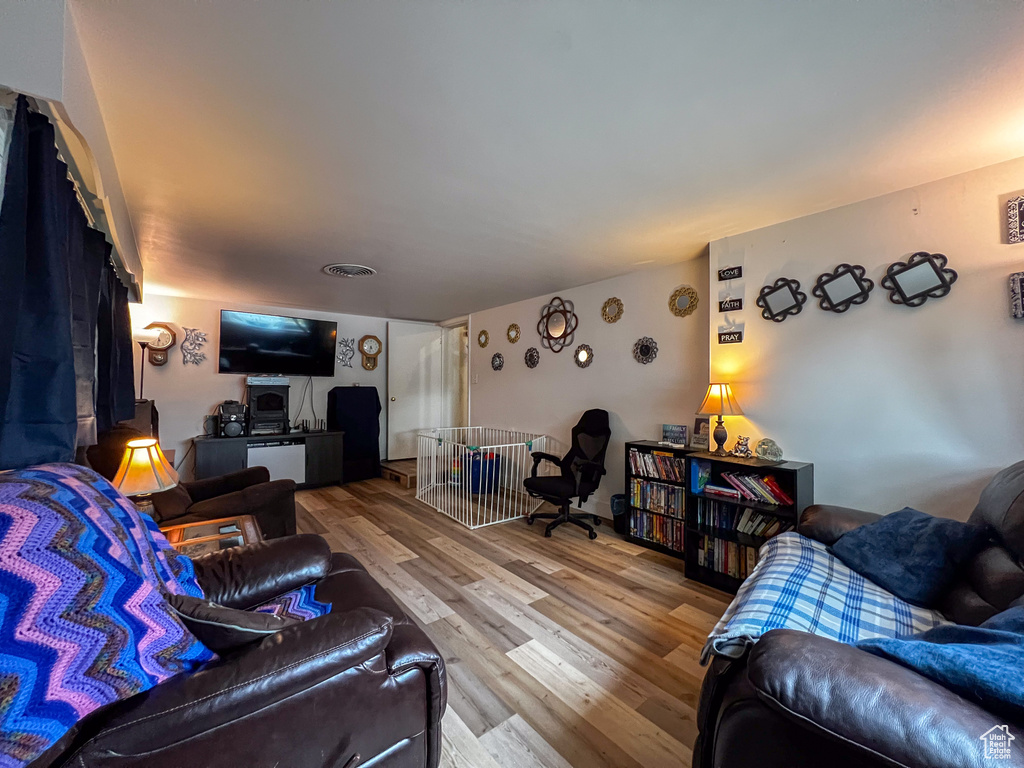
point(144, 471)
point(719, 401)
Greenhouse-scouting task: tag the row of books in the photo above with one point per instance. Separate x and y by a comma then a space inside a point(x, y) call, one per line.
point(661, 530)
point(764, 490)
point(657, 464)
point(726, 557)
point(719, 514)
point(657, 497)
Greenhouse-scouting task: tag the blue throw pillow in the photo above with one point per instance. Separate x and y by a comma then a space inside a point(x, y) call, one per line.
point(913, 555)
point(982, 664)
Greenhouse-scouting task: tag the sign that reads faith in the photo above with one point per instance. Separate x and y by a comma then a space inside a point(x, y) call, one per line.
point(730, 273)
point(730, 337)
point(730, 305)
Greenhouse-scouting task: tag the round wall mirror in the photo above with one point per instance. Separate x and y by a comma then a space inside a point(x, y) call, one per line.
point(583, 355)
point(612, 310)
point(683, 301)
point(645, 350)
point(498, 361)
point(513, 333)
point(483, 338)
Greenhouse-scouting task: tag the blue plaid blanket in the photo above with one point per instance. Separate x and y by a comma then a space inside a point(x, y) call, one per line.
point(798, 584)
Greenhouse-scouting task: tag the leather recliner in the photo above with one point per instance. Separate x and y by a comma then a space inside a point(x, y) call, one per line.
point(801, 701)
point(362, 681)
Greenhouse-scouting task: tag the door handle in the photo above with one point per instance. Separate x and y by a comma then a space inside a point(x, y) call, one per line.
point(392, 399)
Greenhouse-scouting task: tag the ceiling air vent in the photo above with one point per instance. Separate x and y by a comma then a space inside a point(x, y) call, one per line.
point(349, 270)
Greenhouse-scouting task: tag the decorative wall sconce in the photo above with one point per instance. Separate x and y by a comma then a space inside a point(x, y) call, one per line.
point(843, 287)
point(780, 300)
point(557, 324)
point(921, 277)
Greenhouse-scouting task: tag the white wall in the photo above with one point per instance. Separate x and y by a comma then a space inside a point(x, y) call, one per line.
point(32, 46)
point(895, 406)
point(185, 394)
point(639, 398)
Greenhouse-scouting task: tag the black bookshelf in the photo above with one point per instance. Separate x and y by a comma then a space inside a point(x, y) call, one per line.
point(717, 555)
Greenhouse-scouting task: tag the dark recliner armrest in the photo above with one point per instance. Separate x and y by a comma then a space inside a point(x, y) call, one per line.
point(826, 524)
point(869, 703)
point(244, 577)
point(200, 490)
point(155, 728)
point(271, 503)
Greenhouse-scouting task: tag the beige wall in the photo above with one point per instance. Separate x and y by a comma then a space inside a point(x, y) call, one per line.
point(639, 398)
point(185, 394)
point(895, 406)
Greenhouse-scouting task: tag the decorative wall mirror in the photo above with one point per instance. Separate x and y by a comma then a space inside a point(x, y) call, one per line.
point(513, 333)
point(645, 350)
point(611, 312)
point(921, 277)
point(557, 324)
point(782, 299)
point(683, 301)
point(583, 355)
point(483, 339)
point(843, 287)
point(532, 357)
point(497, 361)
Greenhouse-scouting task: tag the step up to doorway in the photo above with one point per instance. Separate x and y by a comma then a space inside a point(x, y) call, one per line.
point(402, 471)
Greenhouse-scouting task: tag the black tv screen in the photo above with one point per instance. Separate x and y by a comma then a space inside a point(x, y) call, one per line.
point(289, 346)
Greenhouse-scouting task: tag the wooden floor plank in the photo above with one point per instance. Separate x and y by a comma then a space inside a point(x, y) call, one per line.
point(562, 652)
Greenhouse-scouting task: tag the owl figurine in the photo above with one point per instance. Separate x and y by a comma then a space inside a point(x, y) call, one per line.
point(742, 448)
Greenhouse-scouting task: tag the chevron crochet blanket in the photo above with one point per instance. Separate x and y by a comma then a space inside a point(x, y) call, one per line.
point(83, 620)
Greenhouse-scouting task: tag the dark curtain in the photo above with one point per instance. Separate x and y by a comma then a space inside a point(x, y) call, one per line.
point(115, 371)
point(53, 269)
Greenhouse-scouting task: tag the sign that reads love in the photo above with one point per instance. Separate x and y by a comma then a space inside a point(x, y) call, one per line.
point(730, 273)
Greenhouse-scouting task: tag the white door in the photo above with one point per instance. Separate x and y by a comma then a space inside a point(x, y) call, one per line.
point(415, 395)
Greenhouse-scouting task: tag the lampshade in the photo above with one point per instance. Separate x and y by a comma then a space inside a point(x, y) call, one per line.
point(719, 401)
point(144, 469)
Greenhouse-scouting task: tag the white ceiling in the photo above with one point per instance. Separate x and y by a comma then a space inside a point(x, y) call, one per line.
point(478, 153)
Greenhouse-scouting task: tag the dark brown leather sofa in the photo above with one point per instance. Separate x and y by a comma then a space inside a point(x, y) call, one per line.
point(248, 492)
point(362, 680)
point(800, 701)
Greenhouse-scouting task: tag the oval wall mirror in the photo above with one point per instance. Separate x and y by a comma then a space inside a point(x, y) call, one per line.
point(483, 338)
point(513, 333)
point(611, 312)
point(683, 301)
point(557, 324)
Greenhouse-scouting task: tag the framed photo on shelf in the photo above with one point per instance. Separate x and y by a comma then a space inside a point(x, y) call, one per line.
point(674, 434)
point(701, 434)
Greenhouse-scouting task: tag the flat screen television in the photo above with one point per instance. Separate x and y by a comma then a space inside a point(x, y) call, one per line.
point(287, 346)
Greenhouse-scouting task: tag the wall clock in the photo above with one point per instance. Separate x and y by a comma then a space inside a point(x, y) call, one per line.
point(370, 347)
point(164, 341)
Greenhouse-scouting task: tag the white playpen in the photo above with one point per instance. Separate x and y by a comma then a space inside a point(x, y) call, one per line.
point(475, 474)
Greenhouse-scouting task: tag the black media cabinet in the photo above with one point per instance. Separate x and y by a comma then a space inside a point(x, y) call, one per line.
point(323, 460)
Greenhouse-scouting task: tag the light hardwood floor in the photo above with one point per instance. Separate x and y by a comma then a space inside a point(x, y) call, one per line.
point(561, 652)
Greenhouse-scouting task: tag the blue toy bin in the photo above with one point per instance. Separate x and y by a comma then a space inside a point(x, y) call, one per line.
point(484, 471)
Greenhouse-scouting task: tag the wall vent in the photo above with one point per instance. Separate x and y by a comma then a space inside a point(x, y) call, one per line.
point(349, 270)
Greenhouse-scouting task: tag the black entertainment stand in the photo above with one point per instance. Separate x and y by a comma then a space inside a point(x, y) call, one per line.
point(324, 455)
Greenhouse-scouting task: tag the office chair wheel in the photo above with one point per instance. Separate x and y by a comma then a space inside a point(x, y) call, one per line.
point(592, 535)
point(529, 519)
point(597, 520)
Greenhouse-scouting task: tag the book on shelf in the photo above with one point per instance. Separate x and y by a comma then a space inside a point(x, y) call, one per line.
point(733, 485)
point(728, 557)
point(657, 497)
point(658, 529)
point(659, 465)
point(730, 517)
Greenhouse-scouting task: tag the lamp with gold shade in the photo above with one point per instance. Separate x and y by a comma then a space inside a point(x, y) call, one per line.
point(144, 471)
point(719, 401)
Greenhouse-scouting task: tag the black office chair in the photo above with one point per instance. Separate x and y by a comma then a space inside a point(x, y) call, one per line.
point(582, 468)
